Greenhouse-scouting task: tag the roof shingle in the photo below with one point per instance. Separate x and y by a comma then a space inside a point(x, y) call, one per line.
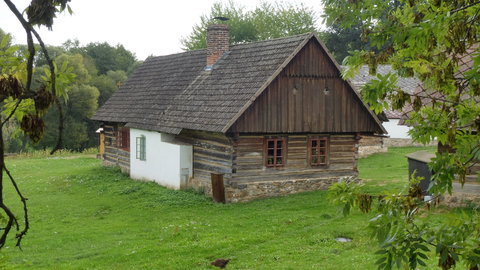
point(169, 93)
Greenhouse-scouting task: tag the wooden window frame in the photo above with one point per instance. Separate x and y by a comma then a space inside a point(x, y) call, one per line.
point(123, 138)
point(318, 148)
point(140, 148)
point(283, 155)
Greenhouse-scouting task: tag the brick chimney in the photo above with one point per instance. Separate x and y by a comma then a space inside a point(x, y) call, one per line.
point(217, 42)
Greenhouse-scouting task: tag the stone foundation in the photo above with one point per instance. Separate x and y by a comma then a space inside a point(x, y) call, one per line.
point(247, 191)
point(370, 145)
point(395, 142)
point(461, 200)
point(243, 192)
point(201, 185)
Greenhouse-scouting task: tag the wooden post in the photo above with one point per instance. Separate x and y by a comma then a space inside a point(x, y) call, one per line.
point(102, 144)
point(218, 189)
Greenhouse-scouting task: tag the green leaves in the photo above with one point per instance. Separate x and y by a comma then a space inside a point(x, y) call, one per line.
point(5, 41)
point(43, 12)
point(344, 193)
point(266, 21)
point(437, 42)
point(375, 92)
point(352, 63)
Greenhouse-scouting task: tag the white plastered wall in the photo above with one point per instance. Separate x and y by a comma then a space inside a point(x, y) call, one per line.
point(165, 160)
point(396, 131)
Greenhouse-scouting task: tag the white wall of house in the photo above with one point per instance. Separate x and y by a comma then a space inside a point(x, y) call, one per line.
point(396, 131)
point(165, 161)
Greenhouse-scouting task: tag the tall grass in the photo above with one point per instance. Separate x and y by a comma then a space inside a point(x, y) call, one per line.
point(46, 153)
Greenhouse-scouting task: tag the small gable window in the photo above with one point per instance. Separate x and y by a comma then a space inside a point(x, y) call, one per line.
point(141, 148)
point(318, 151)
point(123, 138)
point(275, 150)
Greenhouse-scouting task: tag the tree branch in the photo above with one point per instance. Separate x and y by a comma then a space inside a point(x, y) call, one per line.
point(29, 29)
point(31, 48)
point(25, 210)
point(465, 7)
point(11, 114)
point(8, 227)
point(49, 60)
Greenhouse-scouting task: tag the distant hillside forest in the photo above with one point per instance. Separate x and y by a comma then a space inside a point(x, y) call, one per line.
point(100, 70)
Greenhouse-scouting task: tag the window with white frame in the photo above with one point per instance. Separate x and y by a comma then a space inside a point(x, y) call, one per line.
point(140, 149)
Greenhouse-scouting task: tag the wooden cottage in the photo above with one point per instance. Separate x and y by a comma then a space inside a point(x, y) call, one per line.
point(274, 117)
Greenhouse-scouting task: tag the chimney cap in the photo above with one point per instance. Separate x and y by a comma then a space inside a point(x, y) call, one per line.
point(221, 18)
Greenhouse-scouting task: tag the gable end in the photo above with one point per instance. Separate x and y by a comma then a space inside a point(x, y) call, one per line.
point(308, 95)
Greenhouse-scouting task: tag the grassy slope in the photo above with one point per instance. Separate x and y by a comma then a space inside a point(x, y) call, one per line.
point(87, 217)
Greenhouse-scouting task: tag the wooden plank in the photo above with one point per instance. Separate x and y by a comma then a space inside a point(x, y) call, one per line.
point(218, 188)
point(214, 168)
point(211, 160)
point(299, 106)
point(291, 103)
point(213, 154)
point(205, 176)
point(342, 148)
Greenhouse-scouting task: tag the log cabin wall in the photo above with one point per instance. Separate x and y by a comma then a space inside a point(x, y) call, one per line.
point(309, 95)
point(249, 160)
point(212, 153)
point(114, 155)
point(251, 179)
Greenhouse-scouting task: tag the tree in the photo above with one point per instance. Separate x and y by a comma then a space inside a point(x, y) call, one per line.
point(84, 67)
point(340, 40)
point(81, 104)
point(108, 58)
point(108, 84)
point(2, 35)
point(264, 22)
point(22, 100)
point(436, 41)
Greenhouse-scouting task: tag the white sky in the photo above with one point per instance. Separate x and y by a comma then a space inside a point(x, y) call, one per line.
point(145, 27)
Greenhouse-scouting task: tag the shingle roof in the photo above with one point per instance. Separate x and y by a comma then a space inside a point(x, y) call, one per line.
point(465, 64)
point(152, 88)
point(218, 95)
point(407, 84)
point(170, 93)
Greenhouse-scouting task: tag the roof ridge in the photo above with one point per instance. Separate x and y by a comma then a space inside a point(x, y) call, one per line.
point(176, 54)
point(231, 46)
point(272, 39)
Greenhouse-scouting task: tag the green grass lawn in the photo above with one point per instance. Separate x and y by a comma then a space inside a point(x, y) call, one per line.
point(85, 216)
point(387, 171)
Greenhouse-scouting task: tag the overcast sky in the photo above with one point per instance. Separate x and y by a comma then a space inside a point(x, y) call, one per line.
point(145, 27)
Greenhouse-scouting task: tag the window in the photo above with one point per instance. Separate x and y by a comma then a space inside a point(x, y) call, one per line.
point(123, 138)
point(140, 148)
point(275, 152)
point(318, 151)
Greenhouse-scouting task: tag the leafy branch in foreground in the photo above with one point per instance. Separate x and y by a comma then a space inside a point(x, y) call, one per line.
point(438, 43)
point(25, 99)
point(407, 239)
